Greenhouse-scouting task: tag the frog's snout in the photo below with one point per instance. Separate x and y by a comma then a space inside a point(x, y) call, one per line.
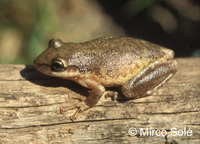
point(35, 61)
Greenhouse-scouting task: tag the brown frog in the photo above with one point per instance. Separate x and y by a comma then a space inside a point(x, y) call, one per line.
point(137, 66)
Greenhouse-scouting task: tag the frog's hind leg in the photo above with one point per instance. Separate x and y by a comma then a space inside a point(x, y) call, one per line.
point(150, 79)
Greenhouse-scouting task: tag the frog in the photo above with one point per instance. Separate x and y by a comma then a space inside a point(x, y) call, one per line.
point(138, 67)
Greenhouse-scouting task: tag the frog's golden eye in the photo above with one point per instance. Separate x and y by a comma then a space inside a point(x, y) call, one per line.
point(58, 65)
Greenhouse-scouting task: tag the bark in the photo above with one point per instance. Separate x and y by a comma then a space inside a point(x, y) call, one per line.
point(30, 110)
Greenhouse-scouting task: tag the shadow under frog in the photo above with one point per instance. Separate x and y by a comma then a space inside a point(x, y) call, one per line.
point(31, 74)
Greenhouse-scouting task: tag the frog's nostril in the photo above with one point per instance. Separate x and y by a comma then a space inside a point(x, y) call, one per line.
point(34, 60)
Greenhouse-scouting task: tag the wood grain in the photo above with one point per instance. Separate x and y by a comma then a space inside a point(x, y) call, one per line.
point(30, 110)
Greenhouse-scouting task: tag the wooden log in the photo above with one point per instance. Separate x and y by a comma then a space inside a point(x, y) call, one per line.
point(30, 110)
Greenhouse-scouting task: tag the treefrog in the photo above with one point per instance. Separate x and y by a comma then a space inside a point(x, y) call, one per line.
point(137, 66)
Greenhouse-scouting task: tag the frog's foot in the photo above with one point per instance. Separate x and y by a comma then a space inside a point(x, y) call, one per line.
point(112, 94)
point(82, 106)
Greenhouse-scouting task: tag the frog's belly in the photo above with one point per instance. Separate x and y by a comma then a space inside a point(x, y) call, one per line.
point(118, 76)
point(114, 81)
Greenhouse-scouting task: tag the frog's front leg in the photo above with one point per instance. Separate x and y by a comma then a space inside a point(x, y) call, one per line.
point(90, 101)
point(149, 79)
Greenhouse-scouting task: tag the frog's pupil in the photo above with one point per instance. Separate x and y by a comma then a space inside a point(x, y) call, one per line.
point(57, 66)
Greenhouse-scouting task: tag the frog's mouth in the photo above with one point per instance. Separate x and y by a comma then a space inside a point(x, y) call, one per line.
point(43, 68)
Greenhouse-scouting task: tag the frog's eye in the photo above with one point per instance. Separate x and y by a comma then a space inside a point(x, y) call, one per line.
point(56, 43)
point(58, 65)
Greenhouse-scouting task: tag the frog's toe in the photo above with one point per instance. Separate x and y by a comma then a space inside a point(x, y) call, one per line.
point(113, 95)
point(62, 110)
point(65, 109)
point(82, 106)
point(79, 97)
point(150, 92)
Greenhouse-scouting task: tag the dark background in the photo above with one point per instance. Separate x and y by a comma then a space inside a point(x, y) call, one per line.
point(27, 26)
point(184, 40)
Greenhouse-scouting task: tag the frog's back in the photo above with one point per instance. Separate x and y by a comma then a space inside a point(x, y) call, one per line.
point(115, 60)
point(122, 45)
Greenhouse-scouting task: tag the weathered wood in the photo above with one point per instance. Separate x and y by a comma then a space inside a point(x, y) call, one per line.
point(30, 103)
